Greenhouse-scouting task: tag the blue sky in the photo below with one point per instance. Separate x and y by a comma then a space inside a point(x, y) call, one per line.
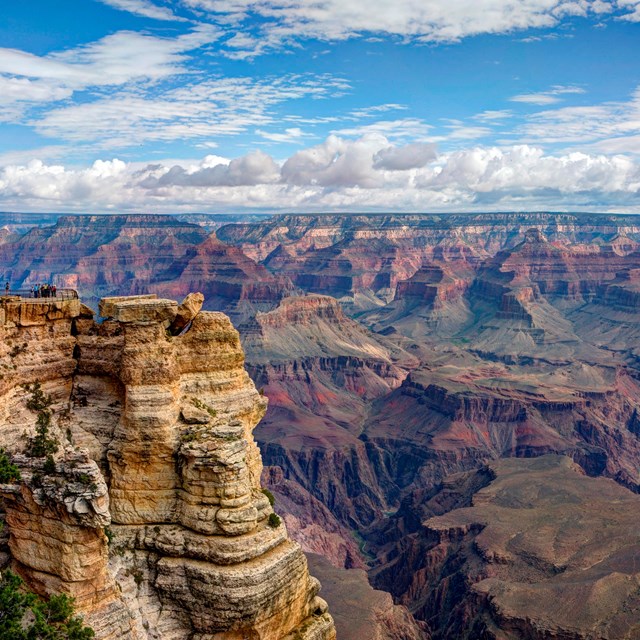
point(341, 105)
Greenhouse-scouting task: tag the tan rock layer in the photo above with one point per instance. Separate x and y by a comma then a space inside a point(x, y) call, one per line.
point(174, 475)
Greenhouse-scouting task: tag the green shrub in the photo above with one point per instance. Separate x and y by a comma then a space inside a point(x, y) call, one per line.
point(49, 465)
point(8, 471)
point(274, 521)
point(38, 400)
point(41, 444)
point(24, 616)
point(270, 496)
point(203, 406)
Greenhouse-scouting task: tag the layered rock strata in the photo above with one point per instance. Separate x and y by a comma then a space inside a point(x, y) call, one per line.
point(150, 512)
point(533, 550)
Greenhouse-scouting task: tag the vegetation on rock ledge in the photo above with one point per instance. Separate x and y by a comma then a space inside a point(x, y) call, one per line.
point(274, 520)
point(24, 616)
point(9, 472)
point(41, 444)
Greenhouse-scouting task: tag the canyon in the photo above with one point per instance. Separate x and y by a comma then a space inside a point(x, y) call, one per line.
point(431, 379)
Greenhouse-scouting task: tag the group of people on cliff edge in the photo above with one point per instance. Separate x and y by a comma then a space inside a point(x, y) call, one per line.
point(44, 291)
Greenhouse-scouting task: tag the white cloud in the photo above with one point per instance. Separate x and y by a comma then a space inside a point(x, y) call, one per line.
point(142, 8)
point(254, 168)
point(368, 173)
point(368, 112)
point(284, 21)
point(584, 125)
point(493, 115)
point(524, 169)
point(547, 97)
point(402, 129)
point(115, 59)
point(118, 59)
point(290, 135)
point(535, 98)
point(633, 6)
point(459, 131)
point(411, 156)
point(222, 107)
point(335, 163)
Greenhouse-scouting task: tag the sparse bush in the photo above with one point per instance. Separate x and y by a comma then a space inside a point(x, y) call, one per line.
point(17, 349)
point(137, 575)
point(270, 496)
point(38, 400)
point(204, 407)
point(42, 444)
point(274, 521)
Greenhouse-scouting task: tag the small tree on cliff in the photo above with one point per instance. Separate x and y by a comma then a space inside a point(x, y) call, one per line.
point(9, 472)
point(24, 616)
point(41, 444)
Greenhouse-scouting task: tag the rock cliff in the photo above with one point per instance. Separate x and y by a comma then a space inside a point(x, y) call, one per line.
point(140, 493)
point(135, 254)
point(528, 552)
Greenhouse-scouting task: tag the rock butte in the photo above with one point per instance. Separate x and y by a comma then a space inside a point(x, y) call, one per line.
point(153, 518)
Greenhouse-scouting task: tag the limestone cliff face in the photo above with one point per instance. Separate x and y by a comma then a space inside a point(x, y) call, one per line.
point(151, 512)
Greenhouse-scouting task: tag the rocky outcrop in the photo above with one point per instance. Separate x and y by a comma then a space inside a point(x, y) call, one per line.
point(363, 612)
point(320, 370)
point(151, 515)
point(452, 418)
point(531, 556)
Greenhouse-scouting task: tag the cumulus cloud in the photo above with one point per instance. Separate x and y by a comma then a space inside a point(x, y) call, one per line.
point(335, 163)
point(523, 169)
point(368, 173)
point(411, 156)
point(254, 168)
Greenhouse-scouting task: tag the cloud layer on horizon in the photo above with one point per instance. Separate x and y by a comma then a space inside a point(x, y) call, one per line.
point(367, 173)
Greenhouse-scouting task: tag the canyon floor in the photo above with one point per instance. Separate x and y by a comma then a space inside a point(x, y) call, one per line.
point(453, 425)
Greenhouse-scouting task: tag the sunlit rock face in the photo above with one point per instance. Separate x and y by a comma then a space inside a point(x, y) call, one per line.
point(150, 512)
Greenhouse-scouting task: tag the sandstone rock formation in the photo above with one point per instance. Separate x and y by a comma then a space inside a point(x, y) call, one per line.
point(149, 509)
